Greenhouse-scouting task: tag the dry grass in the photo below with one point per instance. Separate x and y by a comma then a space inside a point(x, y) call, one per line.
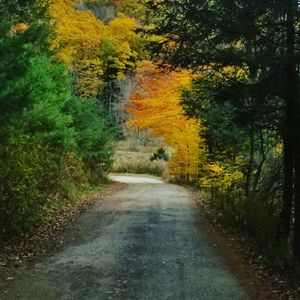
point(138, 163)
point(136, 160)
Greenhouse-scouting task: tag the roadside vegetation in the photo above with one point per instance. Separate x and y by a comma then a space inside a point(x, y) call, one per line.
point(244, 58)
point(207, 90)
point(130, 158)
point(56, 132)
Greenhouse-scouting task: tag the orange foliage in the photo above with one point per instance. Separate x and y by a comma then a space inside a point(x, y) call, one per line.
point(156, 106)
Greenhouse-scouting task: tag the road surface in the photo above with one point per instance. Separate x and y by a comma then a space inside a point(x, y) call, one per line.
point(144, 242)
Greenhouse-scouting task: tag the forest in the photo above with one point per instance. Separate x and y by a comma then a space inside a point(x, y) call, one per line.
point(215, 85)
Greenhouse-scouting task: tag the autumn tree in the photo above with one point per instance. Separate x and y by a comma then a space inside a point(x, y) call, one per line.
point(155, 105)
point(96, 52)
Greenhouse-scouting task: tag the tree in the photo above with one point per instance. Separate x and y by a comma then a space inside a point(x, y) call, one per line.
point(155, 105)
point(35, 132)
point(77, 39)
point(95, 52)
point(93, 139)
point(261, 37)
point(49, 148)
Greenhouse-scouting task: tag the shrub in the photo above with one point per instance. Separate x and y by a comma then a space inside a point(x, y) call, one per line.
point(92, 137)
point(21, 167)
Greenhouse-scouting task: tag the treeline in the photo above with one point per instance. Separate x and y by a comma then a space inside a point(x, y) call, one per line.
point(245, 57)
point(55, 141)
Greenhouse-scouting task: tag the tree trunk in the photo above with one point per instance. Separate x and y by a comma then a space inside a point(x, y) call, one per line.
point(293, 97)
point(296, 240)
point(291, 182)
point(261, 165)
point(250, 163)
point(287, 196)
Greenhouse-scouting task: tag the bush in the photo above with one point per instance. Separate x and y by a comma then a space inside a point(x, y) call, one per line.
point(256, 216)
point(92, 137)
point(21, 167)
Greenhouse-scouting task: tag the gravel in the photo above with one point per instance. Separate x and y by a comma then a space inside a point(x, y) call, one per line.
point(142, 242)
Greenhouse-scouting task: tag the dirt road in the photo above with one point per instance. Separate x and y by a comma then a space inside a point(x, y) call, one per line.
point(143, 242)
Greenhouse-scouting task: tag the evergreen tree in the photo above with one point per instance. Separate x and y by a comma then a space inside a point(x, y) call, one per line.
point(260, 38)
point(44, 131)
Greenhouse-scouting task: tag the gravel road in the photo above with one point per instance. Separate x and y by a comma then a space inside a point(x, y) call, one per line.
point(144, 242)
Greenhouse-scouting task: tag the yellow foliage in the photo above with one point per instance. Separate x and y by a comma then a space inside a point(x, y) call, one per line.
point(156, 106)
point(278, 149)
point(224, 74)
point(19, 28)
point(237, 73)
point(217, 176)
point(80, 38)
point(215, 168)
point(89, 76)
point(78, 35)
point(122, 28)
point(120, 35)
point(132, 8)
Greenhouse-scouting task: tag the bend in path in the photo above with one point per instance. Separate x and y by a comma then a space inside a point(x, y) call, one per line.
point(135, 179)
point(144, 242)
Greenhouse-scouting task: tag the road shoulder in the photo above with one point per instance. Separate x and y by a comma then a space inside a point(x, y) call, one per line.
point(260, 282)
point(22, 252)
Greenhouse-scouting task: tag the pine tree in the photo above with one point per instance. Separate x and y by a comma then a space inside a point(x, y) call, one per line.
point(260, 37)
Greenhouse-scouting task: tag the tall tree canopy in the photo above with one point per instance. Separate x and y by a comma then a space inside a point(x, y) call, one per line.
point(96, 52)
point(155, 105)
point(261, 38)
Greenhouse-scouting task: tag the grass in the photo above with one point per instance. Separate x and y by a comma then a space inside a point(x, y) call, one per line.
point(136, 160)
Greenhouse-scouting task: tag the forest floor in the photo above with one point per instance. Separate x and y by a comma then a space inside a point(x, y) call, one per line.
point(145, 240)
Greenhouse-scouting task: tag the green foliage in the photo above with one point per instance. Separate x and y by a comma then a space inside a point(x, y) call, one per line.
point(46, 88)
point(116, 61)
point(93, 139)
point(52, 145)
point(242, 179)
point(160, 154)
point(223, 134)
point(21, 166)
point(246, 92)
